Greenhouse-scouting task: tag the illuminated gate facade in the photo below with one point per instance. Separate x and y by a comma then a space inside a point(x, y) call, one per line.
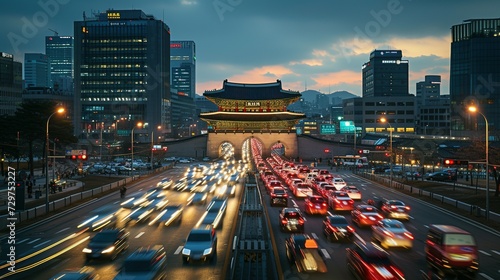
point(252, 110)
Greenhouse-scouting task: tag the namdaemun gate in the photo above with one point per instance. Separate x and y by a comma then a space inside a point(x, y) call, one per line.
point(252, 111)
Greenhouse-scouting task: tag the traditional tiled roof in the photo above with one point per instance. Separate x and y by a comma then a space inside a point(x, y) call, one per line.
point(252, 91)
point(252, 116)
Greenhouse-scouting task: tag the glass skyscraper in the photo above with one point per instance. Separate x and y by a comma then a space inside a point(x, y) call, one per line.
point(122, 71)
point(36, 70)
point(475, 74)
point(11, 84)
point(59, 50)
point(183, 63)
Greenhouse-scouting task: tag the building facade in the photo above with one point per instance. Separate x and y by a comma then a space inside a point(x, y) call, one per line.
point(59, 50)
point(429, 89)
point(36, 70)
point(11, 84)
point(183, 64)
point(475, 74)
point(386, 74)
point(122, 71)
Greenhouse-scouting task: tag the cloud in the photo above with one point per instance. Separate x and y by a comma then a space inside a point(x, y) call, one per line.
point(336, 79)
point(188, 2)
point(308, 62)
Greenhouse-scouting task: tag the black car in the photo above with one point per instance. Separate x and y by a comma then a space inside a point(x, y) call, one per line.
point(108, 243)
point(303, 250)
point(368, 261)
point(201, 245)
point(440, 176)
point(291, 219)
point(336, 228)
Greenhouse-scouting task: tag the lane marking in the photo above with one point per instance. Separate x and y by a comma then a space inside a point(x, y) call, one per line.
point(140, 234)
point(22, 241)
point(43, 243)
point(33, 241)
point(486, 253)
point(496, 252)
point(64, 229)
point(179, 249)
point(314, 235)
point(325, 253)
point(486, 276)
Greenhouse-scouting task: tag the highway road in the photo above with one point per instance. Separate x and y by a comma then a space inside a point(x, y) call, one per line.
point(56, 244)
point(412, 262)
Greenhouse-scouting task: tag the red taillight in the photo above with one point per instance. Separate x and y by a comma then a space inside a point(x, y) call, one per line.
point(301, 221)
point(380, 216)
point(324, 204)
point(310, 204)
point(350, 229)
point(388, 233)
point(409, 235)
point(334, 229)
point(398, 272)
point(393, 207)
point(407, 208)
point(284, 221)
point(351, 201)
point(362, 216)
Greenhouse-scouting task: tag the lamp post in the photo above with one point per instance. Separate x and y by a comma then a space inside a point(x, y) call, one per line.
point(60, 110)
point(473, 109)
point(132, 147)
point(100, 143)
point(384, 120)
point(153, 145)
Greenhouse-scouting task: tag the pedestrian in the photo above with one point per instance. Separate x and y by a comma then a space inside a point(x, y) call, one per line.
point(123, 190)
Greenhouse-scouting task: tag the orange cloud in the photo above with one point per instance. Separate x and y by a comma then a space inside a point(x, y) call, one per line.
point(415, 47)
point(308, 62)
point(337, 78)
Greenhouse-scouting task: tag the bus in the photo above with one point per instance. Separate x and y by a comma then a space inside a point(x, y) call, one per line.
point(350, 160)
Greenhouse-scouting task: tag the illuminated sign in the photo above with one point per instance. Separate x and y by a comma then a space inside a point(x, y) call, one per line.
point(327, 129)
point(113, 15)
point(7, 55)
point(347, 127)
point(252, 104)
point(175, 45)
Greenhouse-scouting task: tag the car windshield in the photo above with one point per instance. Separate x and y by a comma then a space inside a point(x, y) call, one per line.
point(396, 203)
point(104, 237)
point(292, 215)
point(378, 260)
point(341, 221)
point(137, 265)
point(459, 239)
point(316, 199)
point(199, 237)
point(279, 191)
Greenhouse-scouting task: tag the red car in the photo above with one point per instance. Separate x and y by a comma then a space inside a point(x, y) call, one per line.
point(291, 219)
point(365, 215)
point(315, 204)
point(340, 201)
point(395, 209)
point(370, 262)
point(279, 196)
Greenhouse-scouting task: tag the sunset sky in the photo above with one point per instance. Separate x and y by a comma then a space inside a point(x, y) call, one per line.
point(320, 44)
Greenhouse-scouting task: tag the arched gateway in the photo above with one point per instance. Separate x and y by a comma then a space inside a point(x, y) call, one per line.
point(252, 111)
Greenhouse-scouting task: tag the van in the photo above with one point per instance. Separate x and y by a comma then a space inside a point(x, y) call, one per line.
point(451, 250)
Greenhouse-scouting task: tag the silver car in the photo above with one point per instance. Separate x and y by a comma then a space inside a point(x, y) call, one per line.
point(392, 233)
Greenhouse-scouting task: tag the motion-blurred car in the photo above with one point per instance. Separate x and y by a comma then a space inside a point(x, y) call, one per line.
point(146, 263)
point(352, 191)
point(440, 176)
point(278, 196)
point(168, 216)
point(392, 233)
point(315, 204)
point(108, 244)
point(340, 201)
point(302, 190)
point(370, 262)
point(336, 228)
point(291, 219)
point(200, 245)
point(214, 215)
point(338, 183)
point(302, 250)
point(85, 273)
point(395, 209)
point(365, 215)
point(165, 183)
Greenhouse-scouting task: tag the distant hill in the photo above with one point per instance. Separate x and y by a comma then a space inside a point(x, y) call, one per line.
point(310, 95)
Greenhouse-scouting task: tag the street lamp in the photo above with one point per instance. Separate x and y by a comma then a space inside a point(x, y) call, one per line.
point(59, 111)
point(139, 125)
point(384, 120)
point(153, 145)
point(473, 109)
point(100, 143)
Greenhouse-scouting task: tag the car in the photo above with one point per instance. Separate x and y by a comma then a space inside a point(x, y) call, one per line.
point(392, 233)
point(215, 212)
point(302, 190)
point(340, 201)
point(368, 261)
point(353, 192)
point(324, 189)
point(451, 250)
point(303, 251)
point(169, 215)
point(315, 204)
point(338, 183)
point(108, 243)
point(228, 189)
point(440, 176)
point(336, 228)
point(184, 160)
point(365, 215)
point(278, 196)
point(145, 263)
point(85, 273)
point(273, 183)
point(291, 220)
point(165, 183)
point(395, 209)
point(200, 245)
point(197, 198)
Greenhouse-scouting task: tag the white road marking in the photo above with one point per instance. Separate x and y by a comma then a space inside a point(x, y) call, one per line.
point(294, 204)
point(179, 249)
point(325, 253)
point(486, 253)
point(140, 234)
point(486, 276)
point(43, 243)
point(496, 252)
point(22, 241)
point(63, 230)
point(314, 235)
point(33, 241)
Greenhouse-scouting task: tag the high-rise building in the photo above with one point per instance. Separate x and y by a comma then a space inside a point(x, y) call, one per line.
point(430, 88)
point(474, 74)
point(36, 70)
point(183, 64)
point(122, 71)
point(59, 50)
point(386, 74)
point(11, 84)
point(433, 109)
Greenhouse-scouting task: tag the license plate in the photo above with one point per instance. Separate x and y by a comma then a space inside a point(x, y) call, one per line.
point(344, 202)
point(318, 207)
point(293, 222)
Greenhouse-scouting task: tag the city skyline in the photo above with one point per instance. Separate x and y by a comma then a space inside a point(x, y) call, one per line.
point(320, 45)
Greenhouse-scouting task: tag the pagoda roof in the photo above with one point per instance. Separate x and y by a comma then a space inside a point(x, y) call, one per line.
point(239, 91)
point(252, 116)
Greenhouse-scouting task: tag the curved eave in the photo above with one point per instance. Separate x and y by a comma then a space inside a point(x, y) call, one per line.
point(252, 116)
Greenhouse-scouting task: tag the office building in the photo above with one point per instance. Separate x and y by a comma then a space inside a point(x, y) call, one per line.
point(36, 70)
point(122, 71)
point(183, 64)
point(59, 50)
point(386, 74)
point(11, 84)
point(429, 89)
point(475, 75)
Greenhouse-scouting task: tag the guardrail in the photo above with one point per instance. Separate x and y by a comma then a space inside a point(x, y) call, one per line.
point(473, 209)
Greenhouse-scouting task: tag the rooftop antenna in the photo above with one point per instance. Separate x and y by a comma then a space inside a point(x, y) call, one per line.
point(55, 32)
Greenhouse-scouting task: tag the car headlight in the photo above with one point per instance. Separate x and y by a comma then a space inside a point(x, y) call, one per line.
point(87, 250)
point(207, 251)
point(108, 250)
point(186, 252)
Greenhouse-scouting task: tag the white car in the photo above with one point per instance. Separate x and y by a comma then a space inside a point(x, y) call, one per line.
point(353, 192)
point(338, 183)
